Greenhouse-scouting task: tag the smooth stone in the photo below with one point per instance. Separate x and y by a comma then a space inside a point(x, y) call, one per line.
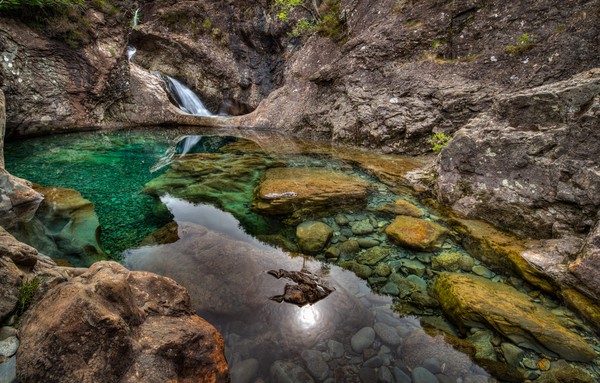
point(350, 246)
point(244, 371)
point(483, 271)
point(382, 270)
point(387, 334)
point(373, 255)
point(7, 331)
point(529, 363)
point(367, 375)
point(283, 371)
point(424, 257)
point(374, 362)
point(449, 261)
point(433, 365)
point(416, 233)
point(419, 282)
point(482, 341)
point(544, 364)
point(401, 207)
point(476, 379)
point(445, 378)
point(390, 288)
point(366, 243)
point(361, 227)
point(384, 375)
point(332, 252)
point(400, 376)
point(336, 349)
point(422, 375)
point(413, 267)
point(8, 371)
point(512, 354)
point(362, 339)
point(9, 346)
point(341, 220)
point(361, 271)
point(313, 236)
point(315, 364)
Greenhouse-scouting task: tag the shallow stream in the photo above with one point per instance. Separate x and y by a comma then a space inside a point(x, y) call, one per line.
point(197, 225)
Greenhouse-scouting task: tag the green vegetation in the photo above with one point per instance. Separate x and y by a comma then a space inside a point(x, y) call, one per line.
point(43, 5)
point(27, 292)
point(326, 19)
point(524, 43)
point(439, 141)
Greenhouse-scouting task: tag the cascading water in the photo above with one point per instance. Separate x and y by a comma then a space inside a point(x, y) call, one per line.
point(136, 18)
point(188, 101)
point(130, 52)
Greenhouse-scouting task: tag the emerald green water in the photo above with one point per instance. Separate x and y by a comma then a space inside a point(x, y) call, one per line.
point(109, 169)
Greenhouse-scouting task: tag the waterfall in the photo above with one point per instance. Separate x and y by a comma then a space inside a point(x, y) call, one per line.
point(136, 18)
point(188, 143)
point(130, 52)
point(186, 98)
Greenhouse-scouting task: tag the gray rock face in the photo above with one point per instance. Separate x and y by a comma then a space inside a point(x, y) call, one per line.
point(586, 267)
point(532, 175)
point(138, 327)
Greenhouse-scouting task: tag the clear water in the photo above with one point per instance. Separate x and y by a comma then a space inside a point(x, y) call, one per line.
point(223, 250)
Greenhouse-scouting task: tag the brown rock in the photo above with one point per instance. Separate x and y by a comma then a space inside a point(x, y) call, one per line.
point(586, 267)
point(10, 281)
point(583, 305)
point(113, 325)
point(18, 201)
point(313, 236)
point(472, 301)
point(416, 233)
point(300, 192)
point(401, 207)
point(18, 252)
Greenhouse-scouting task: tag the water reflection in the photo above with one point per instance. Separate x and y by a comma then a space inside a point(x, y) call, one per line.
point(225, 271)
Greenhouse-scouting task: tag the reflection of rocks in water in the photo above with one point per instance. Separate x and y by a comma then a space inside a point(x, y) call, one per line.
point(308, 290)
point(65, 226)
point(228, 278)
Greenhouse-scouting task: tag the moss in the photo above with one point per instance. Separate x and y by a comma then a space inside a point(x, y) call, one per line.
point(27, 292)
point(524, 43)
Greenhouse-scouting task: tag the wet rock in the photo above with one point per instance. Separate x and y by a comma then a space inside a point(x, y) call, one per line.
point(474, 301)
point(336, 349)
point(367, 375)
point(18, 252)
point(244, 371)
point(422, 375)
point(10, 281)
point(405, 286)
point(583, 305)
point(131, 318)
point(483, 271)
point(416, 233)
point(287, 372)
point(512, 354)
point(374, 362)
point(8, 371)
point(544, 364)
point(333, 252)
point(401, 207)
point(372, 256)
point(384, 375)
point(361, 227)
point(300, 192)
point(367, 243)
point(313, 236)
point(586, 267)
point(449, 261)
point(387, 334)
point(482, 341)
point(400, 376)
point(350, 246)
point(410, 266)
point(166, 234)
point(341, 219)
point(7, 332)
point(9, 346)
point(315, 364)
point(362, 339)
point(308, 289)
point(18, 200)
point(382, 270)
point(432, 365)
point(390, 288)
point(565, 372)
point(362, 271)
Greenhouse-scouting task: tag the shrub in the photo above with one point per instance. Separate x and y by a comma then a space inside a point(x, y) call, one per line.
point(439, 141)
point(27, 292)
point(524, 43)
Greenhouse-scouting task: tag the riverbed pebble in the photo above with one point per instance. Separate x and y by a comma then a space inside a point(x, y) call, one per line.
point(9, 346)
point(387, 334)
point(512, 353)
point(315, 364)
point(336, 349)
point(362, 339)
point(283, 371)
point(8, 371)
point(483, 271)
point(244, 371)
point(400, 376)
point(384, 375)
point(368, 242)
point(7, 331)
point(361, 227)
point(423, 375)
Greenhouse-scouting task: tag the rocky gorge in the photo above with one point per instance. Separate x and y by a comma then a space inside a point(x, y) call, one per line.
point(515, 85)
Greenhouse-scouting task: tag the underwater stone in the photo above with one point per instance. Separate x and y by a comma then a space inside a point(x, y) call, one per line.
point(382, 270)
point(244, 371)
point(416, 233)
point(512, 354)
point(401, 207)
point(9, 346)
point(336, 349)
point(474, 301)
point(373, 255)
point(362, 339)
point(366, 243)
point(341, 219)
point(449, 261)
point(361, 271)
point(313, 236)
point(422, 375)
point(387, 334)
point(361, 227)
point(315, 364)
point(318, 192)
point(283, 371)
point(413, 267)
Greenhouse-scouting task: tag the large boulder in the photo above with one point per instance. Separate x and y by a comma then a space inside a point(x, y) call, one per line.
point(304, 192)
point(18, 200)
point(528, 164)
point(113, 325)
point(472, 301)
point(416, 233)
point(18, 252)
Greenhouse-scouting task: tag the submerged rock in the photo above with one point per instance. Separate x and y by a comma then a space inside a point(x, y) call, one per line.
point(372, 256)
point(472, 301)
point(137, 327)
point(283, 371)
point(301, 192)
point(308, 290)
point(313, 236)
point(416, 233)
point(401, 207)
